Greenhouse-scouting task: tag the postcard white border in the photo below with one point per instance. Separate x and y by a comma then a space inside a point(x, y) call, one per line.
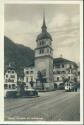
point(2, 60)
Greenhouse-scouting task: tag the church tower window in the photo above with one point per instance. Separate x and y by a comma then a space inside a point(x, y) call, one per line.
point(41, 51)
point(47, 50)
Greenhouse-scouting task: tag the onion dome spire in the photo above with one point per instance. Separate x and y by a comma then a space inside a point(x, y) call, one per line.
point(44, 24)
point(44, 34)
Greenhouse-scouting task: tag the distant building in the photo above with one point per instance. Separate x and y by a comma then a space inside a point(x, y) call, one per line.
point(29, 76)
point(64, 69)
point(10, 82)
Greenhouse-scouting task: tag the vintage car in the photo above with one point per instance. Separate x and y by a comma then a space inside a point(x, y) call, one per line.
point(11, 94)
point(61, 86)
point(70, 86)
point(30, 93)
point(21, 92)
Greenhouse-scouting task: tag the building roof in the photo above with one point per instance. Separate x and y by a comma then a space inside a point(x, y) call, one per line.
point(61, 60)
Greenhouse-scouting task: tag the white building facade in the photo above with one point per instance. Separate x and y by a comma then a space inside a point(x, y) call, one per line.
point(29, 76)
point(10, 80)
point(64, 69)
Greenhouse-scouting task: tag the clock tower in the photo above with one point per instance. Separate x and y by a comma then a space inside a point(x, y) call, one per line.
point(44, 57)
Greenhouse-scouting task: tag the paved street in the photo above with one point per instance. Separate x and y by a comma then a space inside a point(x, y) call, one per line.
point(50, 106)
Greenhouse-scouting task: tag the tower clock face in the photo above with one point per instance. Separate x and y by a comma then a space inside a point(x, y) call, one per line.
point(41, 65)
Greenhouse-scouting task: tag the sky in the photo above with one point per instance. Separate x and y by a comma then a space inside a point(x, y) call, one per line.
point(23, 23)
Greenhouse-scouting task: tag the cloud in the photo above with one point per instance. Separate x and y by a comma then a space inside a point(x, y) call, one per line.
point(23, 24)
point(60, 20)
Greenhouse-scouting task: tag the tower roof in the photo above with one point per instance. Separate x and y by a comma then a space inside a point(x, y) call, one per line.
point(44, 34)
point(44, 27)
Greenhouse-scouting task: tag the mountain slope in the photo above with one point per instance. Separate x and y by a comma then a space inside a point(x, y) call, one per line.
point(15, 53)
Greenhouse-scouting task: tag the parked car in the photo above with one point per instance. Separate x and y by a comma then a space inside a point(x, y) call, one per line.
point(61, 86)
point(30, 93)
point(11, 94)
point(70, 86)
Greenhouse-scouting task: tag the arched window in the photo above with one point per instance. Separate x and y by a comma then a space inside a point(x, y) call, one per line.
point(9, 86)
point(13, 86)
point(47, 50)
point(5, 86)
point(57, 78)
point(27, 72)
point(41, 51)
point(26, 79)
